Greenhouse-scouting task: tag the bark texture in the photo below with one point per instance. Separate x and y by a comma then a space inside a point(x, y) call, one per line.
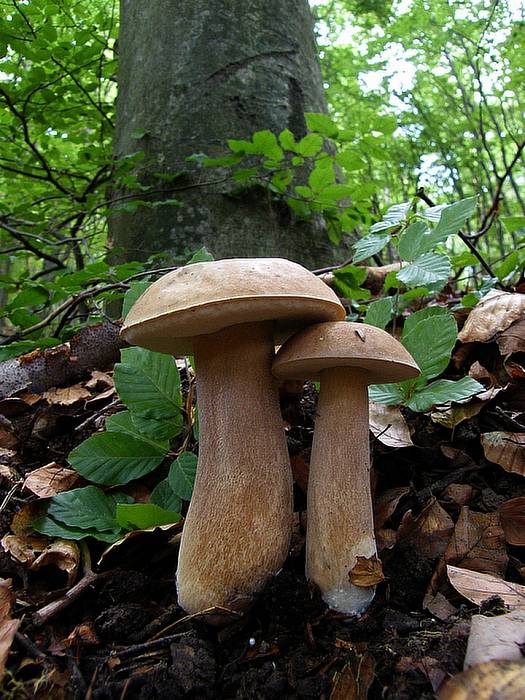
point(193, 73)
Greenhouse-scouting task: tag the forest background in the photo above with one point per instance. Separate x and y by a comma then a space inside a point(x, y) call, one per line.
point(423, 97)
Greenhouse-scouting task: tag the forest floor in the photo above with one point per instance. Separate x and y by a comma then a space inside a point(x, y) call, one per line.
point(451, 496)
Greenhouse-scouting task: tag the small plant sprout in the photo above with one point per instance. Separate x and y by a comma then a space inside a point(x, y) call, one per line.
point(227, 314)
point(346, 358)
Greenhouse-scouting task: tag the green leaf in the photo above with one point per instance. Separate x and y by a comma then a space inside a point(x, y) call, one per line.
point(347, 281)
point(464, 259)
point(369, 245)
point(379, 313)
point(451, 217)
point(16, 349)
point(321, 176)
point(350, 161)
point(513, 223)
point(287, 140)
point(430, 341)
point(182, 475)
point(136, 289)
point(48, 526)
point(201, 255)
point(310, 145)
point(115, 458)
point(138, 133)
point(412, 242)
point(418, 316)
point(443, 391)
point(265, 144)
point(86, 508)
point(336, 192)
point(148, 383)
point(427, 269)
point(146, 429)
point(392, 218)
point(163, 496)
point(140, 516)
point(321, 124)
point(389, 394)
point(470, 300)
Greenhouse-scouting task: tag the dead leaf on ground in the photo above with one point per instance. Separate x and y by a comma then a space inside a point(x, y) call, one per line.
point(24, 549)
point(386, 504)
point(515, 370)
point(459, 458)
point(454, 413)
point(494, 680)
point(477, 587)
point(389, 426)
point(101, 397)
point(439, 606)
point(505, 449)
point(63, 554)
point(98, 377)
point(478, 543)
point(428, 666)
point(300, 469)
point(386, 538)
point(429, 533)
point(67, 396)
point(8, 438)
point(366, 572)
point(458, 493)
point(477, 371)
point(22, 522)
point(513, 339)
point(493, 638)
point(50, 480)
point(512, 518)
point(494, 313)
point(161, 536)
point(355, 679)
point(8, 626)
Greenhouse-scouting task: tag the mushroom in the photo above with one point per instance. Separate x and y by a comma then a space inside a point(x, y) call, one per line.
point(237, 530)
point(346, 357)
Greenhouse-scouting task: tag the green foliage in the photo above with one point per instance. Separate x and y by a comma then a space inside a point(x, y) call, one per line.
point(182, 475)
point(430, 336)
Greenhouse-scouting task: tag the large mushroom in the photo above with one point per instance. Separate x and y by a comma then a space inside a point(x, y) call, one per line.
point(227, 314)
point(345, 357)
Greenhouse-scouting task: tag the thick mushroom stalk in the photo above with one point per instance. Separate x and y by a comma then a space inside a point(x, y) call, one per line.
point(238, 526)
point(340, 518)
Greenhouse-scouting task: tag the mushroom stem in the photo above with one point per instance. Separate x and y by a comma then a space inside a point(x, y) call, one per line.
point(340, 518)
point(238, 527)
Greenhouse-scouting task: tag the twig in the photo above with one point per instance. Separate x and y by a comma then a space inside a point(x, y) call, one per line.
point(29, 646)
point(96, 415)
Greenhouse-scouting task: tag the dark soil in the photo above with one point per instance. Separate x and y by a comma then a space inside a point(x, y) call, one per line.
point(125, 637)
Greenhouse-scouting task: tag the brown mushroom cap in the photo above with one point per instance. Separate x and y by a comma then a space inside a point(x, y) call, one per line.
point(206, 297)
point(344, 344)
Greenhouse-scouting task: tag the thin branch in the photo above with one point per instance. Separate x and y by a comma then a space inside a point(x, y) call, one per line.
point(19, 236)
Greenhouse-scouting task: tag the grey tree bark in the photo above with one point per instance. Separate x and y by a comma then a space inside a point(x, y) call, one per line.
point(193, 73)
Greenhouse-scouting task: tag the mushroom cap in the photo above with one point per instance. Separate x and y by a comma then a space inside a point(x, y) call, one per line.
point(343, 344)
point(206, 297)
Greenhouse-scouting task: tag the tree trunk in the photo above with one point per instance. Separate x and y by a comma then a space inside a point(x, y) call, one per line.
point(193, 73)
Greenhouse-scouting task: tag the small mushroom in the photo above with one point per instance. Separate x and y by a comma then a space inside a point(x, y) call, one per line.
point(225, 313)
point(346, 358)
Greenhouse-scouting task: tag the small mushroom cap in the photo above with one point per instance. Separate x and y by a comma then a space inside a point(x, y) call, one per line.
point(343, 344)
point(206, 297)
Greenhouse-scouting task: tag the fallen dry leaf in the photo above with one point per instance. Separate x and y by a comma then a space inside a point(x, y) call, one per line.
point(50, 480)
point(300, 469)
point(98, 377)
point(477, 371)
point(66, 396)
point(8, 438)
point(439, 606)
point(477, 587)
point(8, 627)
point(505, 449)
point(493, 638)
point(22, 522)
point(458, 493)
point(24, 549)
point(389, 426)
point(494, 680)
point(494, 313)
point(63, 554)
point(512, 518)
point(366, 572)
point(355, 679)
point(429, 533)
point(454, 413)
point(478, 543)
point(386, 538)
point(513, 339)
point(386, 504)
